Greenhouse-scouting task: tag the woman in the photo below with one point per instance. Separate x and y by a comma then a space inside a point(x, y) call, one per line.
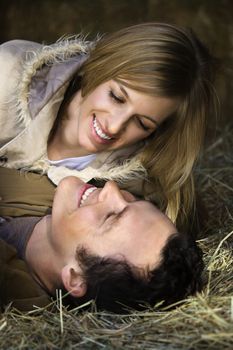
point(134, 101)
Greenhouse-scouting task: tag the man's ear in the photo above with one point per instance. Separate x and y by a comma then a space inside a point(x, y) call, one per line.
point(73, 281)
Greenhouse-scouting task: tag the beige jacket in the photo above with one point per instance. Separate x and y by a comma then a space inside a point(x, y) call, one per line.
point(32, 86)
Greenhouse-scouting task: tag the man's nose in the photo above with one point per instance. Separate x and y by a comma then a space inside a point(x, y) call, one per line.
point(112, 194)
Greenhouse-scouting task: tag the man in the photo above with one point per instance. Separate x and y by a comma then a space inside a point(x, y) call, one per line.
point(104, 244)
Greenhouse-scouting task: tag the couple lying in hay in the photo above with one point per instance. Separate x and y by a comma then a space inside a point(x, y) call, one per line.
point(131, 106)
point(136, 122)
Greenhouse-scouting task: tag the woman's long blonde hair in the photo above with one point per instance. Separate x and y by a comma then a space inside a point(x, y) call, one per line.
point(162, 60)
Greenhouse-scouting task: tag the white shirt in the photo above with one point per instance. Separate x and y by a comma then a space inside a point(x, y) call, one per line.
point(77, 163)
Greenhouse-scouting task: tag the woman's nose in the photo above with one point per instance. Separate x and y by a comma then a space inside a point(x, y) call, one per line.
point(118, 122)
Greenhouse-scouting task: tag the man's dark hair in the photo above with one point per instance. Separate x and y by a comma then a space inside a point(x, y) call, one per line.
point(116, 285)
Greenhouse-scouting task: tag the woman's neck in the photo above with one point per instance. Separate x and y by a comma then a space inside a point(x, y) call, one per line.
point(64, 143)
point(60, 147)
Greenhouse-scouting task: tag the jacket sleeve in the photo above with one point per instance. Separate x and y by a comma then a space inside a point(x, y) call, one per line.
point(13, 57)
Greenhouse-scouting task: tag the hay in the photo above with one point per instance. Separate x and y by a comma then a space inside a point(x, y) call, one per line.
point(201, 322)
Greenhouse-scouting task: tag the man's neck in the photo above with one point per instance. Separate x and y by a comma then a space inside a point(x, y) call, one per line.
point(40, 257)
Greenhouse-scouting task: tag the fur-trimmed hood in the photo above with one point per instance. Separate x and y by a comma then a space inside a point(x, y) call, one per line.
point(54, 64)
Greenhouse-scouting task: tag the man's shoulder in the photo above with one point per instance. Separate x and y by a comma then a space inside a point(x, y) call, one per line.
point(16, 284)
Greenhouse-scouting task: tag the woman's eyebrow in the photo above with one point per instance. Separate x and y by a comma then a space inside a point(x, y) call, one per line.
point(151, 119)
point(123, 90)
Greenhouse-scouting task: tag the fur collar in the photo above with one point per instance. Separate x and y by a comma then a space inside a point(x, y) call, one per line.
point(62, 51)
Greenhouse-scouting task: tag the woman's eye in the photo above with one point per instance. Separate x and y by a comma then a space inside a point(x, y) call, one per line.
point(142, 125)
point(116, 98)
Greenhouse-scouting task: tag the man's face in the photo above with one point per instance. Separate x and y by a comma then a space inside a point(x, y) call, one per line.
point(108, 222)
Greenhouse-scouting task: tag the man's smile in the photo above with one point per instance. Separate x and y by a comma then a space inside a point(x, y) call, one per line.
point(86, 194)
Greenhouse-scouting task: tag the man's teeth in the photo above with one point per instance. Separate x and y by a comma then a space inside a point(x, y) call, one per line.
point(99, 132)
point(86, 194)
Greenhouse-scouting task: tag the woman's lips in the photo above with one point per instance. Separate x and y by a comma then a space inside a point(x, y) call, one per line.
point(100, 135)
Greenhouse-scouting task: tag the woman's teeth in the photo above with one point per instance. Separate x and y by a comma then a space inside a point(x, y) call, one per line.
point(86, 194)
point(100, 132)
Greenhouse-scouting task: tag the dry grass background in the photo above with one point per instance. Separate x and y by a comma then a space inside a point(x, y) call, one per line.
point(201, 322)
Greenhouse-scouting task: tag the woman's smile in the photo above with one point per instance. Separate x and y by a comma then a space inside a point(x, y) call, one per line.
point(100, 136)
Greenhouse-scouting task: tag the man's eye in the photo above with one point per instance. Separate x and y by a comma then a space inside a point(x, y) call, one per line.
point(116, 98)
point(108, 216)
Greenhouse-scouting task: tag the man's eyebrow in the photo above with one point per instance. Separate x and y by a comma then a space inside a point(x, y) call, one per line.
point(121, 214)
point(141, 115)
point(116, 219)
point(125, 211)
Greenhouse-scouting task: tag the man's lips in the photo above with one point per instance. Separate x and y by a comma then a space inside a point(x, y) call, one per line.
point(84, 193)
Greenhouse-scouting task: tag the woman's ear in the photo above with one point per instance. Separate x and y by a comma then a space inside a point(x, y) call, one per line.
point(73, 281)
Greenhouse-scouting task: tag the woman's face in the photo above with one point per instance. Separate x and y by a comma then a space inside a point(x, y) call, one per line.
point(114, 116)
